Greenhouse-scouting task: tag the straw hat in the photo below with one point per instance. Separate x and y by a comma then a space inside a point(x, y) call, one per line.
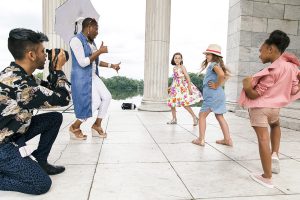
point(213, 49)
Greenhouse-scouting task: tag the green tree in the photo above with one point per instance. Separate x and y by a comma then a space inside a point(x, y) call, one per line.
point(122, 87)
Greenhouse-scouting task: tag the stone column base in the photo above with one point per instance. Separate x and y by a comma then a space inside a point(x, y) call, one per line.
point(154, 106)
point(232, 106)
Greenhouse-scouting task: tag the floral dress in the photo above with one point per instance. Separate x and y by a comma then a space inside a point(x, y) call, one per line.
point(179, 94)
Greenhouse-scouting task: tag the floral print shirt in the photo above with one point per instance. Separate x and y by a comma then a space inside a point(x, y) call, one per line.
point(20, 93)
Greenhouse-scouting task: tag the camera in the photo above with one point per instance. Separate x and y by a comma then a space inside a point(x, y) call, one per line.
point(52, 78)
point(56, 52)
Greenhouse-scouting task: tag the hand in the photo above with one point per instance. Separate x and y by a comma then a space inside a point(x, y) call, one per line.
point(61, 59)
point(103, 49)
point(169, 90)
point(190, 90)
point(212, 85)
point(116, 66)
point(247, 82)
point(298, 76)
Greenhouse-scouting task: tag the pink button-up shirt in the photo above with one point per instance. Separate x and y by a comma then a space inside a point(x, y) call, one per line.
point(276, 85)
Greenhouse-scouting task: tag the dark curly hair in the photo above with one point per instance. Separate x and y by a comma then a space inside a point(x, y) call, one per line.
point(21, 40)
point(280, 39)
point(88, 22)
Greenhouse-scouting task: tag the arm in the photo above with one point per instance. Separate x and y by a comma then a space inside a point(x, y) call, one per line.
point(31, 95)
point(296, 89)
point(296, 85)
point(187, 77)
point(250, 92)
point(76, 46)
point(221, 77)
point(261, 87)
point(94, 56)
point(108, 65)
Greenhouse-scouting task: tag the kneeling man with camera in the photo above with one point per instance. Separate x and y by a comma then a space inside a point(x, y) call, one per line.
point(20, 93)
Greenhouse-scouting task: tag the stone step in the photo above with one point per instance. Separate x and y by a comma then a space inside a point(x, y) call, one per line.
point(289, 117)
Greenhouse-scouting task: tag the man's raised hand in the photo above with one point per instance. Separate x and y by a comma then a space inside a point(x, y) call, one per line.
point(103, 49)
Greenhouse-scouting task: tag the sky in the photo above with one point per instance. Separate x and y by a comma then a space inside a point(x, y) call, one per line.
point(194, 25)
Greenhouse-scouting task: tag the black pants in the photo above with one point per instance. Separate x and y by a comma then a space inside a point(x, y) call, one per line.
point(24, 174)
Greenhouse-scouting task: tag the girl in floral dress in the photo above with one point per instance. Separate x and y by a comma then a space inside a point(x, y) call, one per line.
point(182, 91)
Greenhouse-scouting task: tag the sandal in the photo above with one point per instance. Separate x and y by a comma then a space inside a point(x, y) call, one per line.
point(196, 121)
point(199, 142)
point(98, 132)
point(225, 142)
point(76, 134)
point(173, 121)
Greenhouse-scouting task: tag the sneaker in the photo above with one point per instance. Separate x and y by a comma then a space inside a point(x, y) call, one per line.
point(275, 164)
point(263, 181)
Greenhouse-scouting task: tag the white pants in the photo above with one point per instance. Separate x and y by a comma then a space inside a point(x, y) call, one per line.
point(101, 97)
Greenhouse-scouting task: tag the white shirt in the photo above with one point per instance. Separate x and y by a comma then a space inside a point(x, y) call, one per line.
point(76, 46)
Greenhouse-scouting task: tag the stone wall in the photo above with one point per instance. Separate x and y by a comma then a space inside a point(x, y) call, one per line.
point(250, 22)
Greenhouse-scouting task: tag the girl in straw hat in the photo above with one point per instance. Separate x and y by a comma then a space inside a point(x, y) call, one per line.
point(182, 91)
point(213, 94)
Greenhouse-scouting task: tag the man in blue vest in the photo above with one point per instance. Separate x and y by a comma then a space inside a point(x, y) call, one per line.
point(88, 91)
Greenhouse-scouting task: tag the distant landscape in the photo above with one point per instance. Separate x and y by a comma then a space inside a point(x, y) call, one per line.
point(122, 87)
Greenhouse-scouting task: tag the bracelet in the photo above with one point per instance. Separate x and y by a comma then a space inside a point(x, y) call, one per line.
point(109, 65)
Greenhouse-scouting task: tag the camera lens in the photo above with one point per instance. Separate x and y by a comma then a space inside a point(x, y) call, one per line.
point(56, 51)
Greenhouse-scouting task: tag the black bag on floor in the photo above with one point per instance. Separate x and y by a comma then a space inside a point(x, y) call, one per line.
point(128, 106)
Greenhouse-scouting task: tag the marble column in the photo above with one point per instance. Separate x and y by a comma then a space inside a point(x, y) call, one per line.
point(157, 41)
point(55, 41)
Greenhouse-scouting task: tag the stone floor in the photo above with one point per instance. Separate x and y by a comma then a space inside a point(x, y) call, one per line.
point(143, 158)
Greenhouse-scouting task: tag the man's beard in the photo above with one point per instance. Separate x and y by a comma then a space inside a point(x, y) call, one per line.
point(41, 67)
point(90, 39)
point(41, 64)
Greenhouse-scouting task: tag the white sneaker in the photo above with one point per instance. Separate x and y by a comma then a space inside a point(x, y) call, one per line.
point(275, 164)
point(263, 181)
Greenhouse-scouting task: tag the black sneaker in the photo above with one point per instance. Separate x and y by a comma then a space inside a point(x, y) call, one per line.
point(52, 169)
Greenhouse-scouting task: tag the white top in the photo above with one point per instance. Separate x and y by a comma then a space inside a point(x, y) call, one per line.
point(76, 46)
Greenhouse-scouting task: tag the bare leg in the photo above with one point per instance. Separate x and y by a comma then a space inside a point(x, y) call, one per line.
point(202, 124)
point(275, 136)
point(264, 150)
point(223, 125)
point(75, 131)
point(202, 127)
point(173, 109)
point(275, 143)
point(98, 122)
point(76, 124)
point(97, 129)
point(190, 110)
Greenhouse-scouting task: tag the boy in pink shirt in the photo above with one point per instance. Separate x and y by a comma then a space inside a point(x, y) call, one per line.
point(265, 93)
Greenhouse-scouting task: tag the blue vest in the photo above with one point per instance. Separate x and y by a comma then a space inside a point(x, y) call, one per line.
point(81, 80)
